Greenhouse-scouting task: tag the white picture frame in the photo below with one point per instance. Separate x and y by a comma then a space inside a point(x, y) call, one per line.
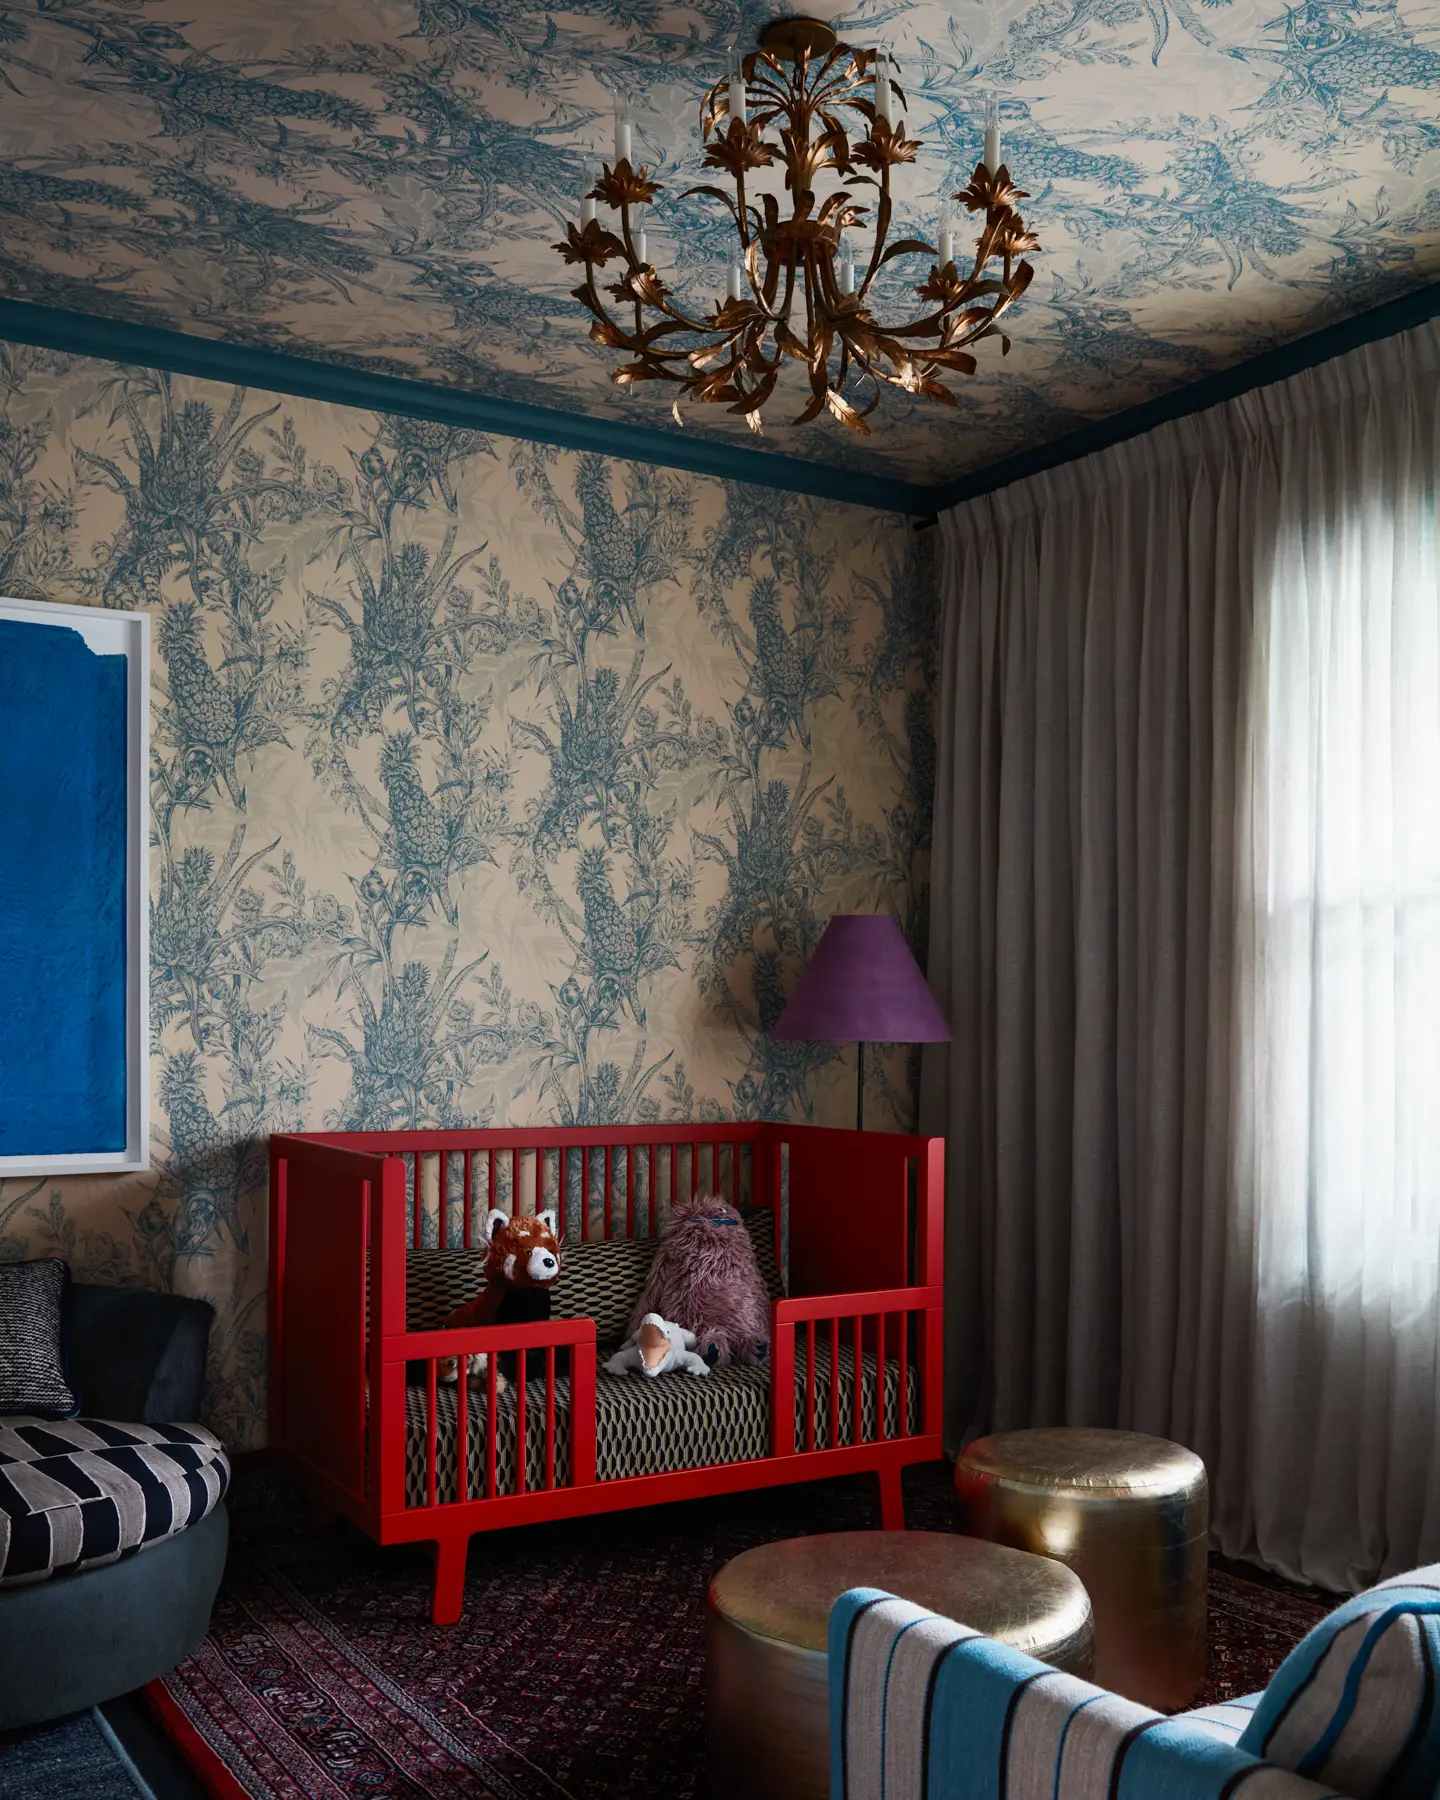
point(114, 634)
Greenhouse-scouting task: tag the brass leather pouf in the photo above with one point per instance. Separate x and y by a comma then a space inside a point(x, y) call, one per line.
point(1130, 1515)
point(767, 1695)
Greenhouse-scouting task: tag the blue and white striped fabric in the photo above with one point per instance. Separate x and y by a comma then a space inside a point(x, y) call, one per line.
point(1355, 1702)
point(1227, 1720)
point(924, 1709)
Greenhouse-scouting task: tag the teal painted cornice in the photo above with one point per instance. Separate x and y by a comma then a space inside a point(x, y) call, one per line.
point(85, 334)
point(1259, 371)
point(212, 359)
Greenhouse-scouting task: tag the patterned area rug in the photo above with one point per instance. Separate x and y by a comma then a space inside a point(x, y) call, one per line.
point(577, 1672)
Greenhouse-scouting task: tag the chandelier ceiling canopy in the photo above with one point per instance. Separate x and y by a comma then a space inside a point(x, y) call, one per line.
point(830, 119)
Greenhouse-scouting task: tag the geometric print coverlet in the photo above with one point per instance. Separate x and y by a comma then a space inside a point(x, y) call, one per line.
point(922, 1707)
point(78, 1492)
point(645, 1427)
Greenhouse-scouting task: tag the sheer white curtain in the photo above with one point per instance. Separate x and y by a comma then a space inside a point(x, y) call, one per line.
point(1186, 916)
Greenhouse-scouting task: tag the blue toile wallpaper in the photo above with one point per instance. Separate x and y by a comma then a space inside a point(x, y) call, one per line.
point(379, 182)
point(490, 784)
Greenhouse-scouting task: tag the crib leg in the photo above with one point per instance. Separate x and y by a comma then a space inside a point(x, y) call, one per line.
point(449, 1597)
point(892, 1499)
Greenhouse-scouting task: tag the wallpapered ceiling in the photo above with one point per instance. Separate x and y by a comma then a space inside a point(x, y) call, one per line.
point(491, 784)
point(379, 181)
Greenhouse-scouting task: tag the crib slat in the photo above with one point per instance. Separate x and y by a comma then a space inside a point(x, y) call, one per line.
point(674, 1173)
point(466, 1207)
point(431, 1458)
point(650, 1182)
point(834, 1438)
point(694, 1170)
point(880, 1430)
point(902, 1379)
point(809, 1384)
point(520, 1398)
point(549, 1415)
point(609, 1170)
point(857, 1383)
point(629, 1190)
point(491, 1390)
point(462, 1427)
point(443, 1234)
point(417, 1163)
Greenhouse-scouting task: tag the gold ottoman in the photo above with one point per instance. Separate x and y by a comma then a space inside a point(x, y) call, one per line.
point(1130, 1515)
point(767, 1693)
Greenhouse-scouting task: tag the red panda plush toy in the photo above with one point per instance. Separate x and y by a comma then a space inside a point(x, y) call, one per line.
point(522, 1266)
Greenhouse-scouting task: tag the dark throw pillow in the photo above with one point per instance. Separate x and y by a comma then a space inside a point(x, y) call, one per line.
point(32, 1348)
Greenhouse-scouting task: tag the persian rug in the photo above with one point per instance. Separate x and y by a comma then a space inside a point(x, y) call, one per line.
point(576, 1673)
point(78, 1758)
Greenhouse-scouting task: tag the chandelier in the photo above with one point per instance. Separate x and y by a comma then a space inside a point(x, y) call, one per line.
point(799, 286)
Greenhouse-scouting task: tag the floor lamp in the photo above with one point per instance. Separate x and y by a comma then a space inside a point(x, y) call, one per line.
point(863, 986)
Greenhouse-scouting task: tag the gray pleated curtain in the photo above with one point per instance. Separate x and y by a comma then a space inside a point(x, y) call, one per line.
point(1186, 924)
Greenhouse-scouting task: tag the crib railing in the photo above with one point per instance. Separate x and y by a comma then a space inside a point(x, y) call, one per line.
point(891, 1338)
point(479, 1474)
point(604, 1182)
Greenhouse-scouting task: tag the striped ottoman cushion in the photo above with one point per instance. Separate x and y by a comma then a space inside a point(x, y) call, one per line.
point(1355, 1704)
point(77, 1492)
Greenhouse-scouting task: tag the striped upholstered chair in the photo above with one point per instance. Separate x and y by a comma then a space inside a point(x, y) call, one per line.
point(113, 1530)
point(921, 1706)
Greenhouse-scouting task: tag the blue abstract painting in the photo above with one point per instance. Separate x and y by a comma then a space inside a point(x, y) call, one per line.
point(63, 762)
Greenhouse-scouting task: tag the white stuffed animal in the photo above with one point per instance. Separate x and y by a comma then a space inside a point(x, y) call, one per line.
point(657, 1348)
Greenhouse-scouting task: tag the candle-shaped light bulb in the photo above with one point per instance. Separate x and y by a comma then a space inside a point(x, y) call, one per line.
point(590, 174)
point(884, 102)
point(992, 131)
point(945, 236)
point(735, 282)
point(622, 127)
point(637, 233)
point(737, 85)
point(844, 265)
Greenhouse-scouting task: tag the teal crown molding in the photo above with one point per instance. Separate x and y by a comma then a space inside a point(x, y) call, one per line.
point(244, 365)
point(212, 359)
point(1274, 365)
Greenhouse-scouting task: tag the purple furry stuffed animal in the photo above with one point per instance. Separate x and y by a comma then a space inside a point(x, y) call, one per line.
point(705, 1278)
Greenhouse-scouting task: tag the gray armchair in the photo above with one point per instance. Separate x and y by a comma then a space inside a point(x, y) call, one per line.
point(88, 1634)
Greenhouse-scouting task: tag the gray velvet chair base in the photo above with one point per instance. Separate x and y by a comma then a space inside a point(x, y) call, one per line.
point(82, 1638)
point(79, 1639)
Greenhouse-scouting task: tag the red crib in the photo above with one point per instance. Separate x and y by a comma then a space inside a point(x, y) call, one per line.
point(360, 1222)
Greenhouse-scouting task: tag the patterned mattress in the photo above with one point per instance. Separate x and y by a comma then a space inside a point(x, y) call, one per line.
point(644, 1427)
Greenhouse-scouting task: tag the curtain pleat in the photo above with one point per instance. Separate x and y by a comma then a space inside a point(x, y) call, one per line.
point(1186, 923)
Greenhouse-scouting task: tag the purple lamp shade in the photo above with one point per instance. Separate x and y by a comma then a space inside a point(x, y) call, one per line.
point(862, 985)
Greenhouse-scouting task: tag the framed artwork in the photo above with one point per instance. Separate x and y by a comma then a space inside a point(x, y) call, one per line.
point(74, 977)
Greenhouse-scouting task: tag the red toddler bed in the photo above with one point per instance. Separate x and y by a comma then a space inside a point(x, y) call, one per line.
point(376, 1236)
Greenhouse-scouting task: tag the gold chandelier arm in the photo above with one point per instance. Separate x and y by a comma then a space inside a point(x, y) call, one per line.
point(882, 231)
point(640, 342)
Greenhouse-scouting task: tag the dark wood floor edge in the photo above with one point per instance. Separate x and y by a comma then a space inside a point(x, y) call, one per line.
point(162, 1768)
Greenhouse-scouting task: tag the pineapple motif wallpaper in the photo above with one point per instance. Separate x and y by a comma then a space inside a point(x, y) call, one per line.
point(490, 783)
